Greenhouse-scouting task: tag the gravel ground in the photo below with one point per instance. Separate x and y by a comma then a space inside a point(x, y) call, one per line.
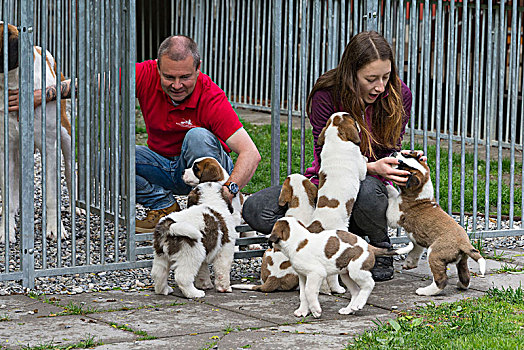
point(132, 279)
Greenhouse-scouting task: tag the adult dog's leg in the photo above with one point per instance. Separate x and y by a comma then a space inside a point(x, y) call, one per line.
point(222, 267)
point(354, 290)
point(303, 309)
point(160, 273)
point(14, 190)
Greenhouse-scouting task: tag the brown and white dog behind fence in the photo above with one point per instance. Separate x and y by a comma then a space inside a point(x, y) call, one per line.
point(428, 226)
point(342, 168)
point(51, 132)
point(276, 272)
point(331, 252)
point(189, 240)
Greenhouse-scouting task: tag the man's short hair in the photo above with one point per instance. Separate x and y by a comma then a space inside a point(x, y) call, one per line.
point(178, 48)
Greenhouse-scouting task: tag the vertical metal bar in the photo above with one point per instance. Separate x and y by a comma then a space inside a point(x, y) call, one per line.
point(58, 178)
point(475, 112)
point(439, 74)
point(43, 117)
point(87, 133)
point(387, 21)
point(414, 68)
point(303, 86)
point(463, 101)
point(401, 41)
point(289, 85)
point(451, 111)
point(5, 123)
point(515, 49)
point(73, 194)
point(490, 102)
point(129, 111)
point(258, 69)
point(268, 67)
point(26, 115)
point(427, 62)
point(316, 40)
point(371, 11)
point(276, 82)
point(102, 85)
point(502, 85)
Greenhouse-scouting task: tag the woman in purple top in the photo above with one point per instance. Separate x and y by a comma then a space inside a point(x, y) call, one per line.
point(366, 85)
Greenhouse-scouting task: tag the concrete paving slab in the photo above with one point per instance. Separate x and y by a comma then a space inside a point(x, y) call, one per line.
point(199, 341)
point(62, 330)
point(188, 318)
point(117, 300)
point(269, 340)
point(514, 257)
point(21, 307)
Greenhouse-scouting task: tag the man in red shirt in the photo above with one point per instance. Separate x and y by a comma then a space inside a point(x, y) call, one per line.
point(187, 116)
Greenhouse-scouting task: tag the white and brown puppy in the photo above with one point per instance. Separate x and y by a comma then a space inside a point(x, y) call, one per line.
point(190, 239)
point(276, 272)
point(428, 226)
point(331, 252)
point(342, 167)
point(50, 141)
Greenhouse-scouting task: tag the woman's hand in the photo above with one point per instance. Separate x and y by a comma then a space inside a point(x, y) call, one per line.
point(384, 168)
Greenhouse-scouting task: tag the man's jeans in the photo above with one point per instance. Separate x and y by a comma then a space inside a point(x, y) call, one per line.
point(159, 178)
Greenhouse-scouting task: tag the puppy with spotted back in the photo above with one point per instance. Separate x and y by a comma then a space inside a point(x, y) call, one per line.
point(276, 272)
point(428, 226)
point(331, 252)
point(190, 239)
point(342, 168)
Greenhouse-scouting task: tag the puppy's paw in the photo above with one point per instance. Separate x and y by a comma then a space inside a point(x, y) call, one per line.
point(316, 312)
point(338, 290)
point(195, 294)
point(346, 311)
point(462, 286)
point(300, 312)
point(204, 284)
point(167, 290)
point(223, 289)
point(430, 290)
point(407, 266)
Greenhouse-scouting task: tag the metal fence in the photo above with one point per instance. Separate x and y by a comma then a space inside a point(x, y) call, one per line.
point(461, 59)
point(93, 44)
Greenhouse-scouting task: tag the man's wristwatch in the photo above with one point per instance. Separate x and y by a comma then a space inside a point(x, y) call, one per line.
point(232, 187)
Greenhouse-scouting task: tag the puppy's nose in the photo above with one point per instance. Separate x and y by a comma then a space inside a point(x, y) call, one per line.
point(394, 154)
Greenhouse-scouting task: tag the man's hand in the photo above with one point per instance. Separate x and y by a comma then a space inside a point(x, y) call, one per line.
point(14, 102)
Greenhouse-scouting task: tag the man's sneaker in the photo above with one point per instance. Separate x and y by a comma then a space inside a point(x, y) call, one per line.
point(383, 269)
point(153, 216)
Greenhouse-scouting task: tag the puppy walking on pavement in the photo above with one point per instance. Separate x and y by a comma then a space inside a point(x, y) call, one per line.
point(428, 226)
point(333, 252)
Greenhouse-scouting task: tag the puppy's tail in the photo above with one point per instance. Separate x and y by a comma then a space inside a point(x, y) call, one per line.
point(184, 229)
point(390, 252)
point(475, 255)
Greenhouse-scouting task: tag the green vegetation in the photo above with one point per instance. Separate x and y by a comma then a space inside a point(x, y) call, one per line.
point(87, 343)
point(494, 321)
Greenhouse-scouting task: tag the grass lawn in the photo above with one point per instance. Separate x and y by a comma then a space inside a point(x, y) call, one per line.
point(494, 321)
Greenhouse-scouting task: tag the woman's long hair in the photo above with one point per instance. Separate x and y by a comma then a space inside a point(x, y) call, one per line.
point(386, 122)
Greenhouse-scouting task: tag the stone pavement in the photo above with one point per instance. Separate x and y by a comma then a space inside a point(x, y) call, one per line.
point(242, 319)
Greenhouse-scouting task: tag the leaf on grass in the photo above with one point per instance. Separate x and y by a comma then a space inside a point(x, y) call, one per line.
point(394, 324)
point(417, 322)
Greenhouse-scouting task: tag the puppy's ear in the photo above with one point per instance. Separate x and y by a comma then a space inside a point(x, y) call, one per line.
point(311, 191)
point(280, 231)
point(210, 171)
point(322, 137)
point(286, 193)
point(413, 181)
point(348, 129)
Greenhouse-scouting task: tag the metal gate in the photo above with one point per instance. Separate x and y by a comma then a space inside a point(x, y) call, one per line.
point(93, 44)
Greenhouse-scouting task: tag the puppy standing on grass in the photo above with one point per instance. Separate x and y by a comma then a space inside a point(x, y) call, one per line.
point(332, 252)
point(192, 238)
point(428, 226)
point(276, 272)
point(342, 168)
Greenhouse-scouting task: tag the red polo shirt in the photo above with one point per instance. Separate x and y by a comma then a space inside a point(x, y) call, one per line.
point(167, 124)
